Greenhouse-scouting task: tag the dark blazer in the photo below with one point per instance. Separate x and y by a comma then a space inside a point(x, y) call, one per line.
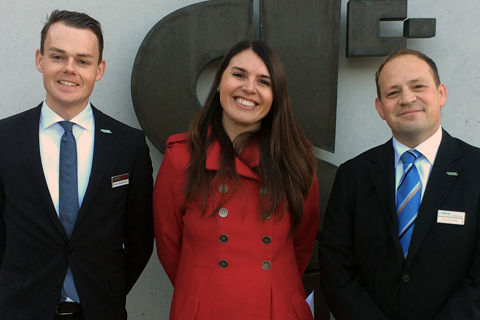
point(113, 237)
point(363, 272)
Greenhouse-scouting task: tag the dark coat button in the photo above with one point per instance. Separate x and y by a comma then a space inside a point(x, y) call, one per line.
point(223, 212)
point(266, 265)
point(223, 263)
point(406, 278)
point(266, 240)
point(223, 238)
point(223, 188)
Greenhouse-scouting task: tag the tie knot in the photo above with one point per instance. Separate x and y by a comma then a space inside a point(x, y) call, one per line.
point(67, 125)
point(409, 156)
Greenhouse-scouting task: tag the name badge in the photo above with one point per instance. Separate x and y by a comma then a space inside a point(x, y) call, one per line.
point(120, 180)
point(451, 217)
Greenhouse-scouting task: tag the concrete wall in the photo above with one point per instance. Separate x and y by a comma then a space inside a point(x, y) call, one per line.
point(125, 24)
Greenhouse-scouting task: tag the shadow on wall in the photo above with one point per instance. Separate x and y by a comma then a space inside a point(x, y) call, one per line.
point(311, 279)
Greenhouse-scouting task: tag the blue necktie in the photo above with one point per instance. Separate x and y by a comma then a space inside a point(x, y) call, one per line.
point(409, 195)
point(68, 196)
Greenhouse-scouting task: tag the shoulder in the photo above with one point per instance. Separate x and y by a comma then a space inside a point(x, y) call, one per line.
point(11, 122)
point(376, 154)
point(105, 122)
point(177, 154)
point(469, 152)
point(177, 146)
point(177, 140)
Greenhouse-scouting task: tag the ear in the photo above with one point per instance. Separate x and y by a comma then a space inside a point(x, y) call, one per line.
point(442, 94)
point(378, 106)
point(39, 60)
point(101, 70)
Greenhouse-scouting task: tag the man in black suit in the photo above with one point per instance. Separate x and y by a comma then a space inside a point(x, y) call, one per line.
point(75, 190)
point(376, 261)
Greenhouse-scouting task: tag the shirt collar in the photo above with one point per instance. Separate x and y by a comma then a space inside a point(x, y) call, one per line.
point(48, 117)
point(427, 148)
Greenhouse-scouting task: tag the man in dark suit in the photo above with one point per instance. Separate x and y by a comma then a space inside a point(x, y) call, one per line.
point(75, 190)
point(401, 238)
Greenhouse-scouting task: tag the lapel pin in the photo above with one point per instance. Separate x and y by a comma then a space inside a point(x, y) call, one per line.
point(105, 130)
point(452, 173)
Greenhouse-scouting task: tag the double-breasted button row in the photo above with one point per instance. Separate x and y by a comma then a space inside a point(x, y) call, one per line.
point(266, 265)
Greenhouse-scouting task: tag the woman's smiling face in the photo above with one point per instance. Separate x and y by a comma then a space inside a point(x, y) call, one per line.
point(246, 93)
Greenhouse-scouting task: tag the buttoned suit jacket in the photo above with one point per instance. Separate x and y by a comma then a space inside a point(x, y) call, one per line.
point(363, 272)
point(113, 236)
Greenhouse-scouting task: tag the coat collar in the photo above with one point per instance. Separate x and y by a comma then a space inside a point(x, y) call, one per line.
point(245, 165)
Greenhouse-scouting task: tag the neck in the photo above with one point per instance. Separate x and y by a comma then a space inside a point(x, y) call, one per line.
point(66, 113)
point(233, 130)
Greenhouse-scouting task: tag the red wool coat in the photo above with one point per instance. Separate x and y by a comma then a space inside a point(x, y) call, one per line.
point(230, 265)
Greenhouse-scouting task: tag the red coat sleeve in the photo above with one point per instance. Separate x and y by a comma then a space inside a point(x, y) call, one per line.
point(168, 207)
point(306, 231)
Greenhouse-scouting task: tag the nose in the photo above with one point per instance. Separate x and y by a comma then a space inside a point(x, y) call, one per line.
point(407, 97)
point(249, 86)
point(69, 66)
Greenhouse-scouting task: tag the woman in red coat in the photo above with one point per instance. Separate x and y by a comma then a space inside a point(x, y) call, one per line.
point(236, 199)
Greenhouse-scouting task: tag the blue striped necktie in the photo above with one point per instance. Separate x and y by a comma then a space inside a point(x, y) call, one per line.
point(409, 195)
point(68, 196)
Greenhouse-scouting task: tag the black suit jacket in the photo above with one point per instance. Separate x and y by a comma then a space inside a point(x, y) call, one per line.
point(113, 237)
point(363, 272)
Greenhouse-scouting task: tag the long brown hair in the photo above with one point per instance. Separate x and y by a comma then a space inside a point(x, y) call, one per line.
point(287, 165)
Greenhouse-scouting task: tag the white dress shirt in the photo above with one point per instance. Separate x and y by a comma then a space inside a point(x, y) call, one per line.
point(424, 163)
point(50, 133)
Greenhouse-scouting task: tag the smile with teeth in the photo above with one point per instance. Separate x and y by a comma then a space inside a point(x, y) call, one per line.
point(67, 83)
point(246, 103)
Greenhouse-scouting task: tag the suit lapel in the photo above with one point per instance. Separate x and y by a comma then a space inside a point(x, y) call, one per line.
point(29, 140)
point(382, 171)
point(102, 152)
point(438, 187)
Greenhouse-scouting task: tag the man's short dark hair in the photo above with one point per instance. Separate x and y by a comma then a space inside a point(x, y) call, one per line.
point(76, 20)
point(405, 51)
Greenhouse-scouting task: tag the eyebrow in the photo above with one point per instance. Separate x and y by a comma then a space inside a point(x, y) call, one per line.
point(243, 70)
point(81, 55)
point(413, 81)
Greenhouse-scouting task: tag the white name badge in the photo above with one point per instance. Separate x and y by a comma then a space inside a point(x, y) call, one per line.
point(451, 217)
